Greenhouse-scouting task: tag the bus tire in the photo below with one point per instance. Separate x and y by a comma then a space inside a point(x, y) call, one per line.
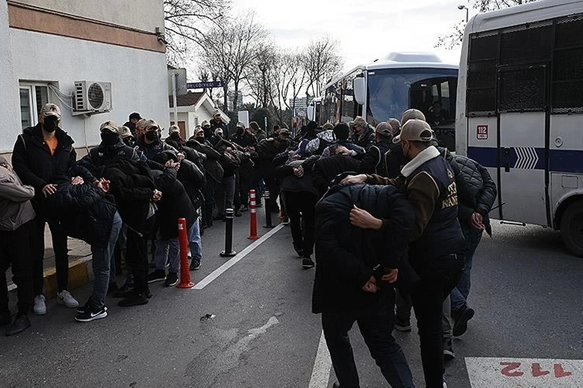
point(572, 228)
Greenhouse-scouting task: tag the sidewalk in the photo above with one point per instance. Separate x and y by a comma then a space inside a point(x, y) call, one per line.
point(80, 272)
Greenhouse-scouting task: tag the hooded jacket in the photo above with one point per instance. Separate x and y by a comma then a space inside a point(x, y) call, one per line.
point(346, 255)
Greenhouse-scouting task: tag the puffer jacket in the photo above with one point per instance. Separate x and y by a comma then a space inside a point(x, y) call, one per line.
point(15, 206)
point(476, 189)
point(346, 255)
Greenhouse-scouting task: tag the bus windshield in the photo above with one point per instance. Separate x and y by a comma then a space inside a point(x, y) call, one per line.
point(392, 91)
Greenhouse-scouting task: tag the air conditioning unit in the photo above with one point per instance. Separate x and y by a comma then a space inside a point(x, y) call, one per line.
point(92, 97)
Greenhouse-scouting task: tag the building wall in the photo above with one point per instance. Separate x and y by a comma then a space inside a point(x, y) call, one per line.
point(133, 61)
point(139, 14)
point(9, 107)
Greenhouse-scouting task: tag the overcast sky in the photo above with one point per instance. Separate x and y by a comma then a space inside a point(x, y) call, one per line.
point(365, 29)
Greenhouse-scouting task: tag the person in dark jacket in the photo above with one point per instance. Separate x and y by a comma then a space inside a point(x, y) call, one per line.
point(354, 271)
point(326, 169)
point(131, 123)
point(343, 145)
point(267, 150)
point(174, 204)
point(213, 171)
point(363, 133)
point(247, 142)
point(132, 184)
point(41, 153)
point(437, 243)
point(372, 161)
point(109, 152)
point(476, 195)
point(216, 123)
point(16, 235)
point(89, 214)
point(150, 143)
point(300, 197)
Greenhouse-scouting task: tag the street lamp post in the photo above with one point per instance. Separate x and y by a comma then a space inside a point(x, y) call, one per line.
point(460, 7)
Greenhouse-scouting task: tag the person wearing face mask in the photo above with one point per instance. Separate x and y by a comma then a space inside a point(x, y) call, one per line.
point(437, 243)
point(41, 153)
point(150, 143)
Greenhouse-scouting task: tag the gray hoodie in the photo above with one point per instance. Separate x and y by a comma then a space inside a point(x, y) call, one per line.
point(15, 206)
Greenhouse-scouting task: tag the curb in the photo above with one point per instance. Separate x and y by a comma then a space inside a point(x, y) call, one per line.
point(80, 273)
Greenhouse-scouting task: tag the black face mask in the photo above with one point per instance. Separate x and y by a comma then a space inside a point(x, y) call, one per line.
point(151, 136)
point(109, 138)
point(50, 124)
point(199, 139)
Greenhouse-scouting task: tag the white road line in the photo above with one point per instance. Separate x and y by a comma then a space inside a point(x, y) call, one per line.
point(322, 366)
point(235, 259)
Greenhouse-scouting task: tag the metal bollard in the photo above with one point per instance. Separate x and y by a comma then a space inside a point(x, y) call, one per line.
point(183, 240)
point(228, 252)
point(267, 212)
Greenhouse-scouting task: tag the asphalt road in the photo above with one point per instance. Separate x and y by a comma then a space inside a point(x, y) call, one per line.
point(260, 331)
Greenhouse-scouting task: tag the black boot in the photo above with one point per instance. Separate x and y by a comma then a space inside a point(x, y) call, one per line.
point(134, 299)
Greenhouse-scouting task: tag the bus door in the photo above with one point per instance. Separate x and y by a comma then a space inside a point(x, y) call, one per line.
point(523, 132)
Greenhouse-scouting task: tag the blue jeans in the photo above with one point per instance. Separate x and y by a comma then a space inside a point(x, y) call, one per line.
point(375, 326)
point(102, 264)
point(194, 240)
point(460, 293)
point(167, 251)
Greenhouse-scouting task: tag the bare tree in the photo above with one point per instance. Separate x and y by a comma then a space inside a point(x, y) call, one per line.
point(290, 80)
point(230, 50)
point(455, 37)
point(185, 22)
point(260, 76)
point(320, 61)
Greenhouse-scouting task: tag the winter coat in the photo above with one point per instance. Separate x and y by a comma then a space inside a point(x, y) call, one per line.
point(194, 182)
point(325, 169)
point(34, 164)
point(212, 166)
point(366, 138)
point(132, 185)
point(85, 212)
point(372, 161)
point(153, 149)
point(174, 204)
point(290, 182)
point(476, 190)
point(103, 155)
point(15, 206)
point(346, 255)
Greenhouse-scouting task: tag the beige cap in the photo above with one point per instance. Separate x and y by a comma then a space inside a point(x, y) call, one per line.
point(415, 130)
point(109, 126)
point(412, 114)
point(383, 128)
point(124, 131)
point(50, 109)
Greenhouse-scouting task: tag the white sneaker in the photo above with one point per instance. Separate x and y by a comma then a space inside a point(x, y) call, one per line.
point(65, 297)
point(40, 307)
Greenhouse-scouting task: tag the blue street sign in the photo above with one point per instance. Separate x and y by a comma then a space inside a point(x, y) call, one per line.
point(205, 85)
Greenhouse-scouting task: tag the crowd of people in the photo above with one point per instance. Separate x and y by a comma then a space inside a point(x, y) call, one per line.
point(392, 217)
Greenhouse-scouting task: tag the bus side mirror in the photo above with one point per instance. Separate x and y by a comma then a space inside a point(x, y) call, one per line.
point(359, 90)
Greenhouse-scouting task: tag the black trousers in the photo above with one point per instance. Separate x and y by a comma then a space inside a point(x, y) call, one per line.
point(15, 250)
point(137, 257)
point(376, 326)
point(438, 277)
point(300, 207)
point(59, 238)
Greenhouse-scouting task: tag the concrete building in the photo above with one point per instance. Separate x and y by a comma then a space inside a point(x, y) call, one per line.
point(48, 45)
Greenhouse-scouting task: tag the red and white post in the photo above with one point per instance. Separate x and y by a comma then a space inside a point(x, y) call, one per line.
point(253, 215)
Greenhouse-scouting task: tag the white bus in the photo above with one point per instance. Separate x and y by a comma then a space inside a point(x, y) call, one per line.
point(387, 87)
point(520, 111)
